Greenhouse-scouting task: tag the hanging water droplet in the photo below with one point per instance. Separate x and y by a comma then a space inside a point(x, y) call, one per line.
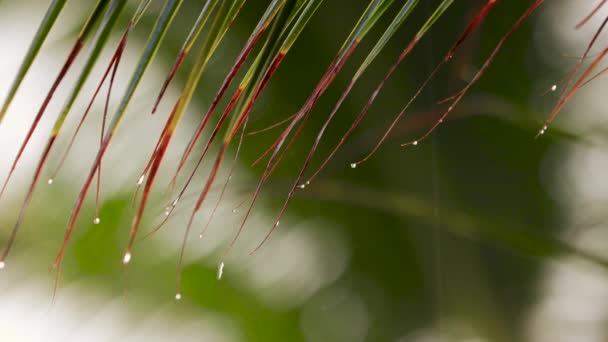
point(307, 182)
point(2, 264)
point(220, 270)
point(234, 210)
point(353, 165)
point(96, 220)
point(127, 258)
point(178, 296)
point(415, 143)
point(167, 212)
point(302, 186)
point(50, 181)
point(140, 180)
point(554, 87)
point(200, 236)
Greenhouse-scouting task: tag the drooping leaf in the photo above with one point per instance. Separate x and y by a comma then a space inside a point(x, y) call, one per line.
point(102, 37)
point(158, 32)
point(82, 38)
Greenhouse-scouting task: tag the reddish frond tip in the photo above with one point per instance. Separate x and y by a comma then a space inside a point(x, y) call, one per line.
point(4, 185)
point(590, 15)
point(274, 227)
point(178, 63)
point(277, 124)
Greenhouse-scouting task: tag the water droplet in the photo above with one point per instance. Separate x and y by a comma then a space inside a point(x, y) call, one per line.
point(140, 180)
point(2, 264)
point(234, 210)
point(353, 165)
point(307, 182)
point(167, 212)
point(554, 87)
point(415, 143)
point(277, 223)
point(50, 181)
point(127, 258)
point(178, 296)
point(175, 202)
point(96, 220)
point(302, 186)
point(220, 270)
point(200, 236)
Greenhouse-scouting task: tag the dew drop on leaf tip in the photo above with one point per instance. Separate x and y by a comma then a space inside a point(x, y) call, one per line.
point(220, 270)
point(127, 258)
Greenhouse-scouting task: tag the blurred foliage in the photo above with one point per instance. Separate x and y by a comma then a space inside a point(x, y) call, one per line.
point(454, 231)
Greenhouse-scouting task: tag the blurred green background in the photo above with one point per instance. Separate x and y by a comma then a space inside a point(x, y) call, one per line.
point(460, 238)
